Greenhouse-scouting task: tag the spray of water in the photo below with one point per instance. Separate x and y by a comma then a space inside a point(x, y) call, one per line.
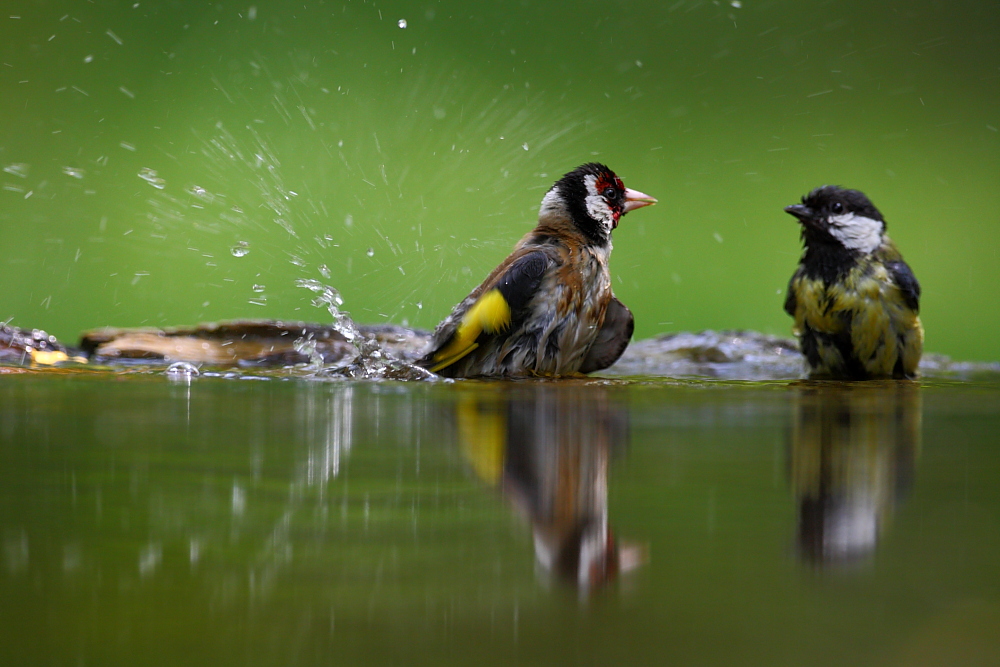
point(370, 361)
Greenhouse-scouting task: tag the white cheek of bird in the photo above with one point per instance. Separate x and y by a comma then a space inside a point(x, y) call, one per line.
point(856, 232)
point(596, 206)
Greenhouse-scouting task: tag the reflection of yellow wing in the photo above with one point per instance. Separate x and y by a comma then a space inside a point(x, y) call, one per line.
point(490, 314)
point(482, 432)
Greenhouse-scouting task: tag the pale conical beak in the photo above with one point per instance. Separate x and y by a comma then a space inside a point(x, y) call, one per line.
point(635, 199)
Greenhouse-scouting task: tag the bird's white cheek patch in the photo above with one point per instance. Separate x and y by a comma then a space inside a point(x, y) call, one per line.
point(856, 232)
point(596, 206)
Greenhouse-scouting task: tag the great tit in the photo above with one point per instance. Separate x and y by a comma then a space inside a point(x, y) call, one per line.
point(855, 301)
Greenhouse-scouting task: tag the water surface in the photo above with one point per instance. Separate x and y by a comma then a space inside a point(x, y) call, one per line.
point(272, 521)
point(167, 163)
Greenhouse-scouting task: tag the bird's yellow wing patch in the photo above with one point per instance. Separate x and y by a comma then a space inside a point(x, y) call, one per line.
point(490, 314)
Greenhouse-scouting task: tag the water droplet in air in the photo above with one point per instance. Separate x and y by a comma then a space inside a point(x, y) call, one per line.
point(201, 193)
point(181, 370)
point(349, 221)
point(17, 169)
point(241, 249)
point(736, 3)
point(370, 252)
point(149, 175)
point(73, 171)
point(324, 271)
point(420, 305)
point(525, 145)
point(401, 23)
point(258, 288)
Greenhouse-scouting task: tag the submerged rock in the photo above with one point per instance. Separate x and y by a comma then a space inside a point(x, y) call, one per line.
point(727, 355)
point(236, 343)
point(242, 342)
point(749, 355)
point(731, 355)
point(21, 346)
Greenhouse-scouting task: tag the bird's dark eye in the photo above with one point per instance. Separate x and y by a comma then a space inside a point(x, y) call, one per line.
point(610, 194)
point(837, 207)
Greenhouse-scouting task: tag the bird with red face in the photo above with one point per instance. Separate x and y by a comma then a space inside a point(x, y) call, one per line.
point(548, 309)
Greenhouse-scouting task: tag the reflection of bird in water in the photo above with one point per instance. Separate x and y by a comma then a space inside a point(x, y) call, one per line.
point(549, 450)
point(853, 453)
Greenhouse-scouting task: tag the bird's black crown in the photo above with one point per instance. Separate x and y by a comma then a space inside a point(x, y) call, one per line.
point(830, 200)
point(573, 189)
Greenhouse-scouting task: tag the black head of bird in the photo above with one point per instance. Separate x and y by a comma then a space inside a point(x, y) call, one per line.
point(593, 199)
point(839, 217)
point(548, 309)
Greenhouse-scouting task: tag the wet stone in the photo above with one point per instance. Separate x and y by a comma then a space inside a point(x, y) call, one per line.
point(236, 343)
point(732, 355)
point(24, 346)
point(388, 352)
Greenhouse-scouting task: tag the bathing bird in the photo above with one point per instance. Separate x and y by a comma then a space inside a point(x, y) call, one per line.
point(856, 303)
point(548, 309)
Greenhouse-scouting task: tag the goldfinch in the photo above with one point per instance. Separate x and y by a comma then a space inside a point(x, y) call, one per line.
point(548, 309)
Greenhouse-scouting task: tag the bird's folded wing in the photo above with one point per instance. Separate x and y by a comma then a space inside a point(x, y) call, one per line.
point(493, 312)
point(907, 283)
point(612, 339)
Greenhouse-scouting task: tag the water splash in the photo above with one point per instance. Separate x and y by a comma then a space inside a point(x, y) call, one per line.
point(241, 249)
point(370, 361)
point(181, 370)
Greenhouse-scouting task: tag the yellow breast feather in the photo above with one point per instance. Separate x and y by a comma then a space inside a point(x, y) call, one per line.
point(872, 306)
point(490, 314)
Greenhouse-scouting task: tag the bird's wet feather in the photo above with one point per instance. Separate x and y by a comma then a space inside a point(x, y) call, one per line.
point(543, 309)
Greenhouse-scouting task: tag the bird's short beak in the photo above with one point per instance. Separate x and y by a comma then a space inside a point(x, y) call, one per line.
point(635, 199)
point(800, 211)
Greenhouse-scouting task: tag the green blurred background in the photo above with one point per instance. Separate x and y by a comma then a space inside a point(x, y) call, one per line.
point(173, 162)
